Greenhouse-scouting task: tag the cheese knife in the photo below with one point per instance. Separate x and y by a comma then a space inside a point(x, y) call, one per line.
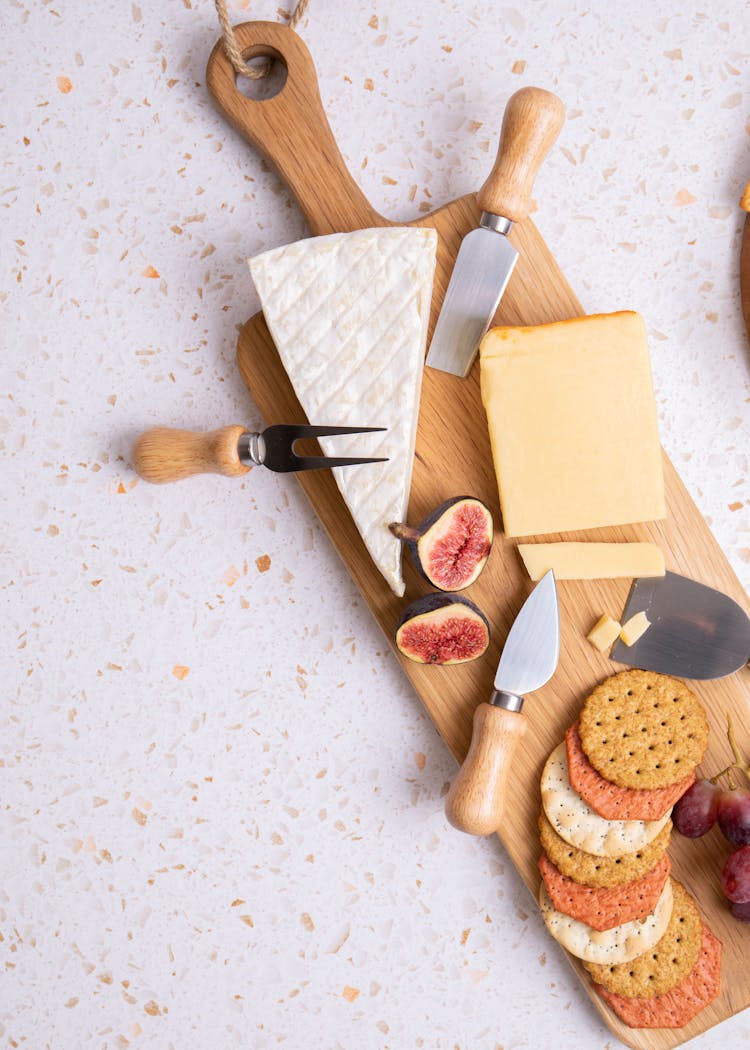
point(476, 799)
point(695, 631)
point(165, 454)
point(531, 123)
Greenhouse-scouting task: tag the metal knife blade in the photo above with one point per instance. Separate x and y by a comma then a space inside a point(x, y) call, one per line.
point(481, 273)
point(476, 800)
point(485, 261)
point(696, 631)
point(532, 649)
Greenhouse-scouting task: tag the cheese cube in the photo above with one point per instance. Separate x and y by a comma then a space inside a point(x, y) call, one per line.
point(604, 633)
point(572, 421)
point(634, 628)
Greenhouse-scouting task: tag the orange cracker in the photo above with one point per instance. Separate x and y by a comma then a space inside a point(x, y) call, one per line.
point(676, 1008)
point(605, 907)
point(609, 800)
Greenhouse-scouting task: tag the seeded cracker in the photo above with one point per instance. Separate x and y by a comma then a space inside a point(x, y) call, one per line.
point(591, 870)
point(676, 1008)
point(605, 907)
point(640, 729)
point(579, 825)
point(619, 944)
point(667, 964)
point(613, 802)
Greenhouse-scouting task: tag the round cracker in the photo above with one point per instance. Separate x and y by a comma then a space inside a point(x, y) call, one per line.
point(676, 1008)
point(620, 944)
point(640, 729)
point(613, 802)
point(664, 966)
point(605, 907)
point(590, 870)
point(579, 825)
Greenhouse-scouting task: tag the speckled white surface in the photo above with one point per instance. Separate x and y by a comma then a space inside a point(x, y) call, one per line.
point(220, 803)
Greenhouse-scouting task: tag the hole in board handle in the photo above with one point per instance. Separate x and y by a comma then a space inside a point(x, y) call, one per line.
point(269, 86)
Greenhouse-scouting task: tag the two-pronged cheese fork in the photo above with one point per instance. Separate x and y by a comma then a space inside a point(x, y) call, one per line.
point(164, 454)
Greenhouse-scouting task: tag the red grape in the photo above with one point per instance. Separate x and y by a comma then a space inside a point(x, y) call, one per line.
point(733, 815)
point(735, 878)
point(695, 812)
point(741, 911)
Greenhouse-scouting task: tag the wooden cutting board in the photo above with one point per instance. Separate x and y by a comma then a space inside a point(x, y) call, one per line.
point(453, 458)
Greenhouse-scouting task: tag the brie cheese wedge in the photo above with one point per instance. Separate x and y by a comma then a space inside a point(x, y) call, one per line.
point(348, 313)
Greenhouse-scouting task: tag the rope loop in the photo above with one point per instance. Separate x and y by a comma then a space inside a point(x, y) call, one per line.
point(240, 66)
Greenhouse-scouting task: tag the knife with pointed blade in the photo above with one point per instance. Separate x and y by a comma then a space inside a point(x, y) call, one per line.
point(695, 631)
point(476, 798)
point(531, 123)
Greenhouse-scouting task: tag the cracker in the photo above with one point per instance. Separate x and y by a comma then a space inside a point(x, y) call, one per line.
point(675, 1008)
point(605, 907)
point(577, 823)
point(609, 800)
point(590, 870)
point(616, 945)
point(640, 729)
point(667, 964)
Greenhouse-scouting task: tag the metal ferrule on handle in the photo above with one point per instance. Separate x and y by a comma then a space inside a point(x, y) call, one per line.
point(251, 449)
point(508, 701)
point(496, 223)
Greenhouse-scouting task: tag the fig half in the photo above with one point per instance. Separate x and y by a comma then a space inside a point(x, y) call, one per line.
point(451, 546)
point(437, 629)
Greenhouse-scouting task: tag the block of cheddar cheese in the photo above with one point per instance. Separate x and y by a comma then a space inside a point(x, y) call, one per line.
point(572, 421)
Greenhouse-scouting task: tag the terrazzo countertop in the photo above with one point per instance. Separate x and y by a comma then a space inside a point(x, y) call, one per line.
point(221, 804)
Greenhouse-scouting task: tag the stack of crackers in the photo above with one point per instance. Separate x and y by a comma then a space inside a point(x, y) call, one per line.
point(607, 894)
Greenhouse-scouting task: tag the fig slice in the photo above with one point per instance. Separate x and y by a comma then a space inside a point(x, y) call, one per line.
point(451, 546)
point(437, 629)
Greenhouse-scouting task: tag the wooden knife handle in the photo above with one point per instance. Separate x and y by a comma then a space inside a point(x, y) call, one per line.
point(476, 800)
point(532, 121)
point(290, 129)
point(164, 454)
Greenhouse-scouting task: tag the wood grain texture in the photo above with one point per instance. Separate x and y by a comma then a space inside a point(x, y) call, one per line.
point(745, 273)
point(531, 123)
point(453, 456)
point(477, 797)
point(165, 454)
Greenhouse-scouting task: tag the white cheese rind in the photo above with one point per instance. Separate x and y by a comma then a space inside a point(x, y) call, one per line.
point(348, 313)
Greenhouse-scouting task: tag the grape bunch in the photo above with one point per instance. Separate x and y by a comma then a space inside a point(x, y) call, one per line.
point(710, 802)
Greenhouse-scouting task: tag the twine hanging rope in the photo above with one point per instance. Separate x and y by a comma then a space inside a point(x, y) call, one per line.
point(234, 54)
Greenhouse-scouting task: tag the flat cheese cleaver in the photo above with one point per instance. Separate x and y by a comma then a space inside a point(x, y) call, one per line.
point(476, 799)
point(696, 631)
point(531, 123)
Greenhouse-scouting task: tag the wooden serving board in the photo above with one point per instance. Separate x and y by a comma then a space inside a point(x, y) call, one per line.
point(452, 458)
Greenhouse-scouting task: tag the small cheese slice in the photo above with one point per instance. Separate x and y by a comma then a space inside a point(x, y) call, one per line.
point(348, 313)
point(572, 421)
point(592, 561)
point(634, 628)
point(604, 633)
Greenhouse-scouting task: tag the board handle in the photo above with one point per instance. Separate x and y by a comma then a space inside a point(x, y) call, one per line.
point(290, 129)
point(531, 123)
point(476, 800)
point(164, 454)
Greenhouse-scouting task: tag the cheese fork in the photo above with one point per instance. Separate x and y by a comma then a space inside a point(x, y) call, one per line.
point(164, 454)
